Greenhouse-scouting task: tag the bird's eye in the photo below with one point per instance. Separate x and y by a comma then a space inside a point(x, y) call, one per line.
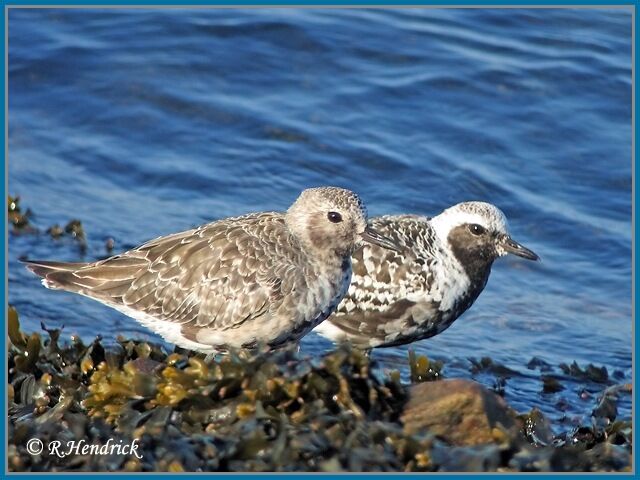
point(334, 217)
point(476, 229)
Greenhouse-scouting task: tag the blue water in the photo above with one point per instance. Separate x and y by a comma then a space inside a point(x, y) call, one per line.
point(145, 122)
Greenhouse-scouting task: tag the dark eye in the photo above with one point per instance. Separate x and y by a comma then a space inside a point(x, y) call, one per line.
point(476, 229)
point(334, 217)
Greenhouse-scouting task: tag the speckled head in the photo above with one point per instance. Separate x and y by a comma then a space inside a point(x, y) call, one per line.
point(481, 213)
point(477, 233)
point(332, 219)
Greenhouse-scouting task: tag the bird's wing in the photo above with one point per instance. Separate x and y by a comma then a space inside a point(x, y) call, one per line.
point(388, 327)
point(218, 275)
point(380, 275)
point(383, 281)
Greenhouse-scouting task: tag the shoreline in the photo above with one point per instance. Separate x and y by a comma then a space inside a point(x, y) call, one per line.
point(277, 412)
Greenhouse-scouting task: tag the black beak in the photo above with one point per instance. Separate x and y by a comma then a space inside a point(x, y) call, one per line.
point(511, 246)
point(371, 236)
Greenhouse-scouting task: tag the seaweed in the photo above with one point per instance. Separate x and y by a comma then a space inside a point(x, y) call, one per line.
point(590, 373)
point(264, 412)
point(422, 369)
point(21, 224)
point(19, 221)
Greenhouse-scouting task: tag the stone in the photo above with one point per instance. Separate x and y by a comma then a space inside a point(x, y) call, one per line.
point(461, 412)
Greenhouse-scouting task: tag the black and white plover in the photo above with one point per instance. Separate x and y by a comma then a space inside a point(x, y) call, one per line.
point(400, 297)
point(259, 279)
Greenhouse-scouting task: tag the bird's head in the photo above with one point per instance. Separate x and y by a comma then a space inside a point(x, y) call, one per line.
point(477, 233)
point(332, 219)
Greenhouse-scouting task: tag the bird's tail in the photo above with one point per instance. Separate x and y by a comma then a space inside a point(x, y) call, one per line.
point(56, 275)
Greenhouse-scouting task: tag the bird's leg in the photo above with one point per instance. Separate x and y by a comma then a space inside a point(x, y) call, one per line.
point(210, 357)
point(291, 349)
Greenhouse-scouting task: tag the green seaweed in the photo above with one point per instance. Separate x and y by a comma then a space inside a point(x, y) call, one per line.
point(422, 369)
point(268, 412)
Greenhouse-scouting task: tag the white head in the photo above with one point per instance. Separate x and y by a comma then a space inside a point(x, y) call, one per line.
point(477, 232)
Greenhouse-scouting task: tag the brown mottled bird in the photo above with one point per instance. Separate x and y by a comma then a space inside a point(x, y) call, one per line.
point(399, 297)
point(259, 279)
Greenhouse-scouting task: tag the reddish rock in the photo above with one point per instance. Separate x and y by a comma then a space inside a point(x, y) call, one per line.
point(462, 412)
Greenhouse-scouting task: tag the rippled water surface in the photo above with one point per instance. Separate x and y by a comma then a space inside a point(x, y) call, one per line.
point(145, 122)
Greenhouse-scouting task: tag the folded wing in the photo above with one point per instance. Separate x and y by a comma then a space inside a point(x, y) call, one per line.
point(217, 275)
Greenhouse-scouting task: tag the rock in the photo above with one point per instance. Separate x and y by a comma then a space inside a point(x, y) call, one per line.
point(461, 412)
point(536, 428)
point(482, 458)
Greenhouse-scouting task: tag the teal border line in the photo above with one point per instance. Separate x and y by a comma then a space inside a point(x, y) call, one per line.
point(634, 226)
point(287, 3)
point(5, 243)
point(292, 3)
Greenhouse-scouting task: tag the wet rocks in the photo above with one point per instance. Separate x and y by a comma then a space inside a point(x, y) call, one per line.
point(590, 373)
point(422, 369)
point(551, 384)
point(537, 428)
point(18, 220)
point(277, 413)
point(461, 412)
point(22, 225)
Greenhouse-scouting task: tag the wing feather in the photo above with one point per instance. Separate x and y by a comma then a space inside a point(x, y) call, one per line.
point(383, 279)
point(218, 275)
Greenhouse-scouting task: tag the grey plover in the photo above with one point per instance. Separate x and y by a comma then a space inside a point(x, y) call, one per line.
point(400, 297)
point(259, 279)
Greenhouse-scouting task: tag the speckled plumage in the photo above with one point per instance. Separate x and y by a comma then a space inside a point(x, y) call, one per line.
point(400, 297)
point(263, 278)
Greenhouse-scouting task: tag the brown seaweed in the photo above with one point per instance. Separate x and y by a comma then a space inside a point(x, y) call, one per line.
point(269, 412)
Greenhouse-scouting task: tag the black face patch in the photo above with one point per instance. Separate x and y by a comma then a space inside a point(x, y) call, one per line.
point(475, 253)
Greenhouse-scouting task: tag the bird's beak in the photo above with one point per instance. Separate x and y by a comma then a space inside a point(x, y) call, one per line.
point(511, 246)
point(372, 236)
